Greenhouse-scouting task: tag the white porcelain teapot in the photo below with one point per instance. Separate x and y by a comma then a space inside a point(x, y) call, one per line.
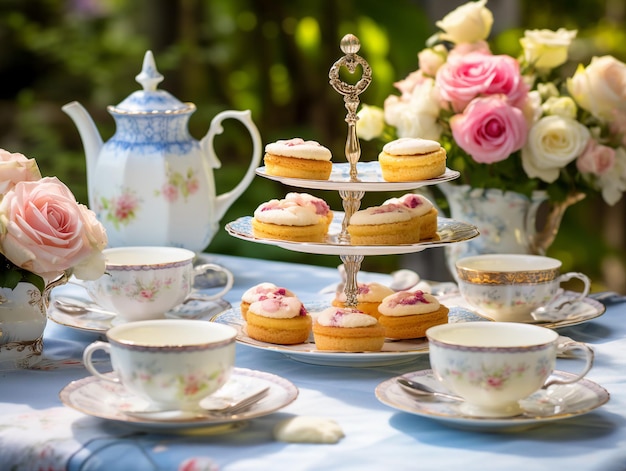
point(152, 183)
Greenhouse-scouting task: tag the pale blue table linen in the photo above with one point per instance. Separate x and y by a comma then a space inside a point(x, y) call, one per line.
point(38, 432)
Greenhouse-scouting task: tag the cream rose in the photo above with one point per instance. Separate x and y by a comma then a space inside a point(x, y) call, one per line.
point(553, 142)
point(600, 88)
point(45, 231)
point(15, 167)
point(431, 59)
point(468, 23)
point(371, 123)
point(415, 114)
point(547, 49)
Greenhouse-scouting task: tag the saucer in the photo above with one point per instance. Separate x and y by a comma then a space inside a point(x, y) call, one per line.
point(106, 400)
point(98, 324)
point(586, 310)
point(393, 351)
point(557, 403)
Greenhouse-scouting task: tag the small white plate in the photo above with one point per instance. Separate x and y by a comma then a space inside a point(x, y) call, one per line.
point(393, 351)
point(369, 179)
point(99, 398)
point(96, 323)
point(561, 402)
point(578, 313)
point(448, 231)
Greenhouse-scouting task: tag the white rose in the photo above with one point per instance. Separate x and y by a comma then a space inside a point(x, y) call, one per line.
point(599, 88)
point(547, 49)
point(560, 106)
point(553, 142)
point(371, 123)
point(415, 115)
point(613, 182)
point(467, 24)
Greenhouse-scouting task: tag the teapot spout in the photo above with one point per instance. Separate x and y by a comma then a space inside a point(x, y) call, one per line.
point(92, 142)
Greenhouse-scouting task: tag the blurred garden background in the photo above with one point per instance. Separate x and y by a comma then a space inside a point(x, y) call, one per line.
point(271, 57)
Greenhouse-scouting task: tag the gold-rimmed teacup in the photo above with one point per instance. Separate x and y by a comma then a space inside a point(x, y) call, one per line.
point(510, 287)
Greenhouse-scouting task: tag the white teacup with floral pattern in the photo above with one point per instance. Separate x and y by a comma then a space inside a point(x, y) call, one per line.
point(172, 363)
point(142, 283)
point(509, 287)
point(493, 365)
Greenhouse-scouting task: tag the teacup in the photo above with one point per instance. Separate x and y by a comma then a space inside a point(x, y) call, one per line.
point(142, 283)
point(493, 365)
point(509, 287)
point(172, 363)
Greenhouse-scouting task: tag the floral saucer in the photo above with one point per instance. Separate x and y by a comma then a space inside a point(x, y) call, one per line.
point(557, 403)
point(577, 313)
point(97, 323)
point(106, 400)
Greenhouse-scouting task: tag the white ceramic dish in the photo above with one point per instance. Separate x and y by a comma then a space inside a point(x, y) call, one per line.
point(393, 352)
point(105, 400)
point(369, 179)
point(577, 313)
point(561, 402)
point(448, 230)
point(98, 324)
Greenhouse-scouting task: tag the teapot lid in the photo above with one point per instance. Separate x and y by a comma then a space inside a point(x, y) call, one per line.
point(150, 100)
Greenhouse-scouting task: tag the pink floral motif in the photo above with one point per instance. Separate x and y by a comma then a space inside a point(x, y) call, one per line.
point(178, 185)
point(121, 209)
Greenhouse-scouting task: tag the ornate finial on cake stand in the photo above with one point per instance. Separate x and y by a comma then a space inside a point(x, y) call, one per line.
point(350, 45)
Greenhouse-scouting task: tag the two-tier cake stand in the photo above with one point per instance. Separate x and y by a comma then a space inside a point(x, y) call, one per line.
point(352, 180)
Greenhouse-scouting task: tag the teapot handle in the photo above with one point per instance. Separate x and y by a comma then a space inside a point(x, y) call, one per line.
point(223, 201)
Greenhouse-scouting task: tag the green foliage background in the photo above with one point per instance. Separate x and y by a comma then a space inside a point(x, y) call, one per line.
point(272, 57)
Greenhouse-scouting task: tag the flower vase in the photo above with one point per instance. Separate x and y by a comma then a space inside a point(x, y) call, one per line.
point(508, 222)
point(23, 317)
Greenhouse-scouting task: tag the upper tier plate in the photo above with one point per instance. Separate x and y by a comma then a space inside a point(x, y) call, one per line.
point(448, 231)
point(369, 175)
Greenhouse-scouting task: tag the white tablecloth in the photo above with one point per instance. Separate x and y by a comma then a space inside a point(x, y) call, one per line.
point(38, 432)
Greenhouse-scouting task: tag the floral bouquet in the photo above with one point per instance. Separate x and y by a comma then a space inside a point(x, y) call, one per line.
point(44, 232)
point(512, 123)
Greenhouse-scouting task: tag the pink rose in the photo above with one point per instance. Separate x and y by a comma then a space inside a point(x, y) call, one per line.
point(45, 231)
point(596, 158)
point(16, 168)
point(464, 78)
point(490, 129)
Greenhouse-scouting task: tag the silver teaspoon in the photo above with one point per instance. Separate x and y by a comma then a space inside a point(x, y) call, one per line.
point(421, 389)
point(229, 409)
point(77, 307)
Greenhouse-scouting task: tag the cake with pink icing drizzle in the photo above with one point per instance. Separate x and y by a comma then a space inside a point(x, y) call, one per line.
point(282, 320)
point(412, 159)
point(298, 217)
point(297, 158)
point(347, 330)
point(422, 208)
point(368, 297)
point(408, 314)
point(389, 224)
point(260, 292)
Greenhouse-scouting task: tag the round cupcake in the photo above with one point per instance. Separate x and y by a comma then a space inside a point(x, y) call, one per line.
point(368, 297)
point(422, 208)
point(347, 330)
point(282, 321)
point(408, 314)
point(260, 292)
point(297, 158)
point(412, 159)
point(389, 224)
point(300, 218)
